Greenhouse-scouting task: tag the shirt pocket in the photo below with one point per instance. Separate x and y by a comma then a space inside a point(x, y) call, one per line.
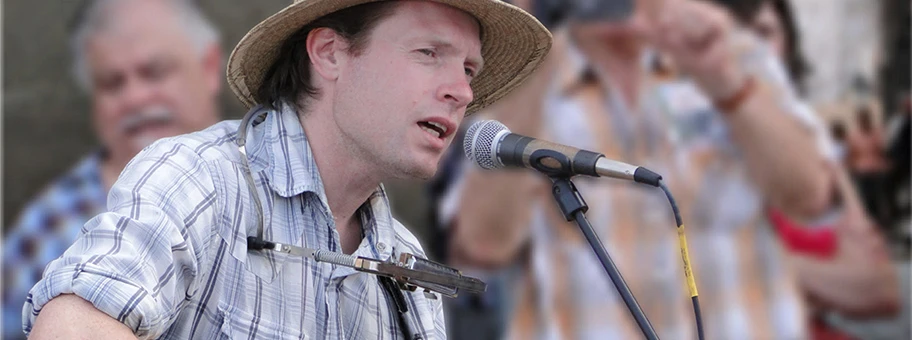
point(239, 324)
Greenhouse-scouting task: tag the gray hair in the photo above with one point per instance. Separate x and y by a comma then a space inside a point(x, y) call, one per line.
point(97, 13)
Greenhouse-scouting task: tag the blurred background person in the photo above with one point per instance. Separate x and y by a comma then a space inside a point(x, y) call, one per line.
point(839, 133)
point(491, 229)
point(601, 98)
point(900, 155)
point(153, 69)
point(866, 159)
point(842, 262)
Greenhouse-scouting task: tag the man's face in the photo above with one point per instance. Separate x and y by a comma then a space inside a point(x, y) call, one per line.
point(399, 103)
point(630, 29)
point(148, 79)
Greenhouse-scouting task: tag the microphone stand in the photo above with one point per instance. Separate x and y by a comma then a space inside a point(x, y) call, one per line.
point(574, 208)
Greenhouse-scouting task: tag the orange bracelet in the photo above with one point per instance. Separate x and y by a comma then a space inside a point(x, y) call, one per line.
point(734, 102)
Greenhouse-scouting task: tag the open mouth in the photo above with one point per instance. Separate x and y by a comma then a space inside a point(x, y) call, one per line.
point(434, 129)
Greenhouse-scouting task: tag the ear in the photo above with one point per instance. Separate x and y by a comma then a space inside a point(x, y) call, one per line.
point(212, 64)
point(324, 47)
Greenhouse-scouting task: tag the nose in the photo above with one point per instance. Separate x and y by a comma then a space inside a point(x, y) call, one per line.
point(137, 93)
point(457, 91)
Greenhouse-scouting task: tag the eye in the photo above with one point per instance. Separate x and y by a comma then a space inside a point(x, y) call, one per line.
point(156, 71)
point(428, 52)
point(470, 72)
point(111, 82)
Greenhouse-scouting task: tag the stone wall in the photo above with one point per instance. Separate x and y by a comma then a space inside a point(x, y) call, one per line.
point(841, 39)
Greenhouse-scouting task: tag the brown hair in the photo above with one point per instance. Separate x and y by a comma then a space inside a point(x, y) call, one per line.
point(288, 79)
point(746, 12)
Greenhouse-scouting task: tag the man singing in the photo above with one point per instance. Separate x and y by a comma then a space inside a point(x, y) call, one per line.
point(350, 93)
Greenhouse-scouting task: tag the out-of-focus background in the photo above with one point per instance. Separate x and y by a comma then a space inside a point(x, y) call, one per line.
point(46, 119)
point(858, 52)
point(46, 122)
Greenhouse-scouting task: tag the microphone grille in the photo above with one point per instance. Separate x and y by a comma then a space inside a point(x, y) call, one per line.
point(479, 143)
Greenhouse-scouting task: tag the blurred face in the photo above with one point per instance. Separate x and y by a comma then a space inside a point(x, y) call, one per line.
point(398, 104)
point(148, 79)
point(769, 27)
point(629, 30)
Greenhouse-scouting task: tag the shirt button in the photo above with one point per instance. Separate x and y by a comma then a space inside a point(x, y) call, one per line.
point(381, 246)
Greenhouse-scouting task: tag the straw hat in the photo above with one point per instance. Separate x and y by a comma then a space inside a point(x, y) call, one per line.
point(513, 42)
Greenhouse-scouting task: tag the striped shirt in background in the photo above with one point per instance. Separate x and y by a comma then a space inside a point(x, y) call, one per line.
point(747, 290)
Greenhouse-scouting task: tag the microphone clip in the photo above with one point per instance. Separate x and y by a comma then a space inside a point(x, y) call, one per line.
point(409, 271)
point(568, 198)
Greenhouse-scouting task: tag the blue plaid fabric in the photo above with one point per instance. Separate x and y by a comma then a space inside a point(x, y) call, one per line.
point(45, 228)
point(170, 258)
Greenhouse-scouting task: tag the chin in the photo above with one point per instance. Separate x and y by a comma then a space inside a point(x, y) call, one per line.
point(425, 173)
point(418, 172)
point(140, 143)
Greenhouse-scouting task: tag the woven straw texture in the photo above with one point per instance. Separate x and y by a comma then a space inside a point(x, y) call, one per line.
point(514, 44)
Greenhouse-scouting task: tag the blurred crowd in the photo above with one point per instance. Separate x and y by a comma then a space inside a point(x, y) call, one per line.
point(797, 213)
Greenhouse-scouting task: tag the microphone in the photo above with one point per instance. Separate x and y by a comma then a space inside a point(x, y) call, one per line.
point(491, 145)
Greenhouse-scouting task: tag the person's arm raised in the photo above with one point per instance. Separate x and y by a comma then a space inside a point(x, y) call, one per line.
point(493, 215)
point(859, 280)
point(780, 152)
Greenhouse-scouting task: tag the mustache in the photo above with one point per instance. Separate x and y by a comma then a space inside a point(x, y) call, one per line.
point(147, 115)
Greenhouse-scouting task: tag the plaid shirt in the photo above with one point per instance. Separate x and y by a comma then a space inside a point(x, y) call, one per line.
point(170, 259)
point(47, 227)
point(747, 289)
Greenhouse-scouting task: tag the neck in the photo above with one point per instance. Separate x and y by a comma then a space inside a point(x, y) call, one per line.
point(111, 166)
point(347, 180)
point(619, 60)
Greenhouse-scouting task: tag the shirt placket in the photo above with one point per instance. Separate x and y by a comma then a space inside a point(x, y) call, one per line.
point(330, 289)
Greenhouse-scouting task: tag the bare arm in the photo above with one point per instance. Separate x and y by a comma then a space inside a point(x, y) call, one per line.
point(860, 280)
point(856, 289)
point(781, 153)
point(70, 317)
point(495, 208)
point(492, 224)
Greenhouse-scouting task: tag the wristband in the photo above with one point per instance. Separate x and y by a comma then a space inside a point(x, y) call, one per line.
point(731, 104)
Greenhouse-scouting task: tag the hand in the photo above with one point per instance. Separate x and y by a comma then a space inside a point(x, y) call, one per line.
point(699, 36)
point(858, 235)
point(860, 279)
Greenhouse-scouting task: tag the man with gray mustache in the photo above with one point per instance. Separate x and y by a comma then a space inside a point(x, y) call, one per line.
point(152, 69)
point(135, 123)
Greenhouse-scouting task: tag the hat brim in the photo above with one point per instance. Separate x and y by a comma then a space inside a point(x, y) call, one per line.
point(513, 42)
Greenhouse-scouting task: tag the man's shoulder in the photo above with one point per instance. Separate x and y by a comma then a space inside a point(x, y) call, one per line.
point(215, 143)
point(202, 157)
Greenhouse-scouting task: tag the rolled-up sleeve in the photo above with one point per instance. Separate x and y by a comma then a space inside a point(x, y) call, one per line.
point(140, 260)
